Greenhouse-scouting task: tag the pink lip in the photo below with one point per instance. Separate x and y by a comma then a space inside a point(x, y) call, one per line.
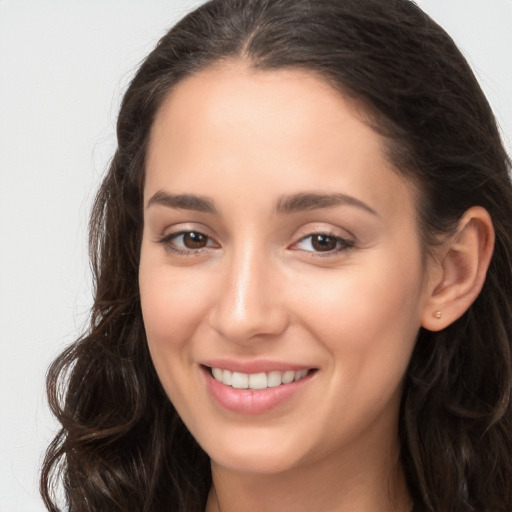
point(253, 366)
point(248, 401)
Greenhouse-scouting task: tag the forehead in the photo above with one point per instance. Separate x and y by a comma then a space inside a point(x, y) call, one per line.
point(288, 129)
point(235, 99)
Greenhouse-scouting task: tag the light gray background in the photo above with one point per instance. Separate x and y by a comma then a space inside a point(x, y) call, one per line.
point(63, 67)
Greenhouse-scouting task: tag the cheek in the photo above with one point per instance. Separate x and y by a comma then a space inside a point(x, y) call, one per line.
point(172, 301)
point(367, 321)
point(367, 312)
point(173, 304)
point(172, 310)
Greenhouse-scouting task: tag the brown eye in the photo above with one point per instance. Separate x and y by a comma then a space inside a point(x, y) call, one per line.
point(194, 240)
point(187, 242)
point(322, 243)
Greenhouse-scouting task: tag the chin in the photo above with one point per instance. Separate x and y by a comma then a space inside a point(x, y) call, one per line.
point(261, 464)
point(252, 454)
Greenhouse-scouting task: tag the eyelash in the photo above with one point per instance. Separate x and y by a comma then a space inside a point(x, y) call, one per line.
point(342, 244)
point(167, 242)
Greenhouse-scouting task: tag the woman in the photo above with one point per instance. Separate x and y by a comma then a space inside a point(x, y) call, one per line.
point(302, 253)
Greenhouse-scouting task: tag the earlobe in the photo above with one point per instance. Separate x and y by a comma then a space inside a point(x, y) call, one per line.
point(460, 269)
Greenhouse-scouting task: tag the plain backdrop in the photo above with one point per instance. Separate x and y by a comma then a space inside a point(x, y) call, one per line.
point(64, 65)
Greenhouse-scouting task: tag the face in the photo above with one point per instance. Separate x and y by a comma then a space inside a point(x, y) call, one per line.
point(281, 271)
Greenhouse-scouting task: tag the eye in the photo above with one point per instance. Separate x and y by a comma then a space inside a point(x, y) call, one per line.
point(192, 240)
point(187, 241)
point(323, 243)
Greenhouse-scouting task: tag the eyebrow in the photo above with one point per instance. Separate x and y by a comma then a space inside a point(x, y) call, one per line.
point(182, 201)
point(313, 201)
point(301, 201)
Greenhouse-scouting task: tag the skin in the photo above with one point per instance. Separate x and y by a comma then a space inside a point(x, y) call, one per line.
point(244, 139)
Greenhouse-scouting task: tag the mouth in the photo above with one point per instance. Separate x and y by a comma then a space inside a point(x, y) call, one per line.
point(255, 387)
point(257, 381)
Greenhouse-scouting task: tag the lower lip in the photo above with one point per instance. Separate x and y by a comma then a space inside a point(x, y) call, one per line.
point(249, 401)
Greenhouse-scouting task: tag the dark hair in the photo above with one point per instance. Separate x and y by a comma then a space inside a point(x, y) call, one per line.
point(122, 445)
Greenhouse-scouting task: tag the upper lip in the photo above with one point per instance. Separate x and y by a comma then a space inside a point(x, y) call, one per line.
point(254, 366)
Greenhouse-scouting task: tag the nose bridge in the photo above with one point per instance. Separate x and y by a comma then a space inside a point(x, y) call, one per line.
point(247, 305)
point(247, 281)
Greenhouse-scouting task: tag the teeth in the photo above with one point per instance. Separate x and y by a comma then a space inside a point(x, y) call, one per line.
point(239, 380)
point(217, 373)
point(257, 380)
point(288, 377)
point(300, 375)
point(273, 379)
point(227, 377)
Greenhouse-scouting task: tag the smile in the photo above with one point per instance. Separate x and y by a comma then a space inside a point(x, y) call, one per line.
point(256, 381)
point(255, 391)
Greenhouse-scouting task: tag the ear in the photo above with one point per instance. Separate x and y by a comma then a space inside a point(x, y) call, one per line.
point(458, 271)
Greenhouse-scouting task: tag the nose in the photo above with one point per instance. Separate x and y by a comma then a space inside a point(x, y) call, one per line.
point(249, 305)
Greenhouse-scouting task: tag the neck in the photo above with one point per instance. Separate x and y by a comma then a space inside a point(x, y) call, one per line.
point(343, 482)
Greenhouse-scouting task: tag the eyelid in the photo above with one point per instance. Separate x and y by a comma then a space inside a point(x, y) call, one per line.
point(168, 238)
point(323, 228)
point(344, 241)
point(342, 244)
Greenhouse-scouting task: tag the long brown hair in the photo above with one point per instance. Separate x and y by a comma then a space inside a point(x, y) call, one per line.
point(122, 445)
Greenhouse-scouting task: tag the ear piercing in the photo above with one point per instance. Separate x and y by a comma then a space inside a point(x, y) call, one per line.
point(437, 314)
